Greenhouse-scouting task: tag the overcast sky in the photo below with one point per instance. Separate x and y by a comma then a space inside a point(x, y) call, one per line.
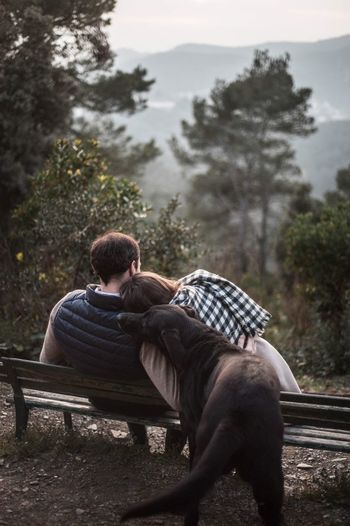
point(156, 25)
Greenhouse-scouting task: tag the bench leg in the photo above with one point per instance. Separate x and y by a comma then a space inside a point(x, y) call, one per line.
point(22, 414)
point(138, 434)
point(68, 423)
point(175, 441)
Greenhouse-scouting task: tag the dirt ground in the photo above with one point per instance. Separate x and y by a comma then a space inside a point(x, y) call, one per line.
point(88, 478)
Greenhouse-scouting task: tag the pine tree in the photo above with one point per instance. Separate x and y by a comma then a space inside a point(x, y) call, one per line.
point(54, 56)
point(239, 139)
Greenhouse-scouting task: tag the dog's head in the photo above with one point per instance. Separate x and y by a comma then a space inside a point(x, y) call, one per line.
point(168, 326)
point(158, 319)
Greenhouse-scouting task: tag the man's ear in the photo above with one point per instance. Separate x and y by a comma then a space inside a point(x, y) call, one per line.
point(189, 311)
point(133, 269)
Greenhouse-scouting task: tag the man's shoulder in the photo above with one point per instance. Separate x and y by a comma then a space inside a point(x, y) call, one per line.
point(70, 296)
point(74, 294)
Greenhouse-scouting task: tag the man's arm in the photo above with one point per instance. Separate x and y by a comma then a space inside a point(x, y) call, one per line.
point(51, 351)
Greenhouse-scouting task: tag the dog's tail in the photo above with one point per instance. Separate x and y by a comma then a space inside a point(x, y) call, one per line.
point(192, 488)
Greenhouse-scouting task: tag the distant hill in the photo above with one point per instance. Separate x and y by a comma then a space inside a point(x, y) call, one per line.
point(191, 69)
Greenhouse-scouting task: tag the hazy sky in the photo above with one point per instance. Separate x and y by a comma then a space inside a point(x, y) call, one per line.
point(154, 25)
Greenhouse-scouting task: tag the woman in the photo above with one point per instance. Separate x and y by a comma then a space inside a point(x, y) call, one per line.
point(219, 304)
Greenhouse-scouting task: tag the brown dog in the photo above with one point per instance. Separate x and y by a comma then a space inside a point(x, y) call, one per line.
point(229, 409)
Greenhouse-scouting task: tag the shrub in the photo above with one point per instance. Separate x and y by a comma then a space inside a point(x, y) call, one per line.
point(72, 201)
point(318, 254)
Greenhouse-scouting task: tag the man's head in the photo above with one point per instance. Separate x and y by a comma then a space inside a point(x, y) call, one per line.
point(114, 254)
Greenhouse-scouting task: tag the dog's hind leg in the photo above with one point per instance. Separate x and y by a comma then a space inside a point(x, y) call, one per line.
point(189, 431)
point(175, 441)
point(192, 515)
point(192, 448)
point(267, 483)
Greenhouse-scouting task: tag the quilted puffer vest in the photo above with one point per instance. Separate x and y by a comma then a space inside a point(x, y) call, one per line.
point(85, 327)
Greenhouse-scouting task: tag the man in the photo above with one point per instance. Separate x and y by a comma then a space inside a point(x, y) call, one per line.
point(82, 330)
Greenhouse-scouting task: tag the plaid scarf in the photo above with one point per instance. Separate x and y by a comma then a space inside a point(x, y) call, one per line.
point(221, 305)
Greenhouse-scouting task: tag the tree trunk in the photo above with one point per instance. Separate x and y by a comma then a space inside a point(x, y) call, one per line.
point(242, 235)
point(263, 239)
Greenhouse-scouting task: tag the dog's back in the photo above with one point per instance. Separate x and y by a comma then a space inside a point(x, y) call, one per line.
point(214, 368)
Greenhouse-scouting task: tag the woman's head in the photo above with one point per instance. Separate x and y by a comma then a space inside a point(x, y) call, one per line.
point(145, 289)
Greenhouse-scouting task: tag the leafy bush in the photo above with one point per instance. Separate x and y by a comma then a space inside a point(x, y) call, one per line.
point(170, 244)
point(73, 200)
point(318, 254)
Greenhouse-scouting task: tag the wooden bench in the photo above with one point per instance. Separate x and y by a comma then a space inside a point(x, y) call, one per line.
point(314, 421)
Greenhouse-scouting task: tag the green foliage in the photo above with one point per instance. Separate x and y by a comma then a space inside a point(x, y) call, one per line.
point(117, 92)
point(343, 181)
point(342, 192)
point(239, 140)
point(52, 57)
point(169, 245)
point(124, 157)
point(72, 201)
point(301, 202)
point(318, 253)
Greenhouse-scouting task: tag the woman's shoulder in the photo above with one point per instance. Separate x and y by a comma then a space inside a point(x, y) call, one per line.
point(201, 276)
point(197, 274)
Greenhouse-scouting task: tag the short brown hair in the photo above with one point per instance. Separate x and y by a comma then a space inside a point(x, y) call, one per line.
point(112, 254)
point(145, 289)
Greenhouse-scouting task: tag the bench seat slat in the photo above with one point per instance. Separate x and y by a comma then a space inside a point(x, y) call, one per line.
point(317, 443)
point(317, 432)
point(162, 419)
point(316, 422)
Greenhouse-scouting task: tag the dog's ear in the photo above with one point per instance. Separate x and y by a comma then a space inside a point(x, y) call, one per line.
point(189, 311)
point(172, 342)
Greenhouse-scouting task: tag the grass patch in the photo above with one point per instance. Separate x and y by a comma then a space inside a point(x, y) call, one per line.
point(38, 440)
point(332, 384)
point(52, 439)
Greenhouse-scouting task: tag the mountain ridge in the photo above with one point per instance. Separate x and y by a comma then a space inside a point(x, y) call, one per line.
point(326, 41)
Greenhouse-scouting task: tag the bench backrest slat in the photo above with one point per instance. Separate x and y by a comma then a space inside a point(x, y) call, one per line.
point(311, 398)
point(87, 385)
point(64, 378)
point(26, 369)
point(132, 397)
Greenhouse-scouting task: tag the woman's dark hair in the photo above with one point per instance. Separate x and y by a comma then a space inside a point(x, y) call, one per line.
point(112, 254)
point(145, 289)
